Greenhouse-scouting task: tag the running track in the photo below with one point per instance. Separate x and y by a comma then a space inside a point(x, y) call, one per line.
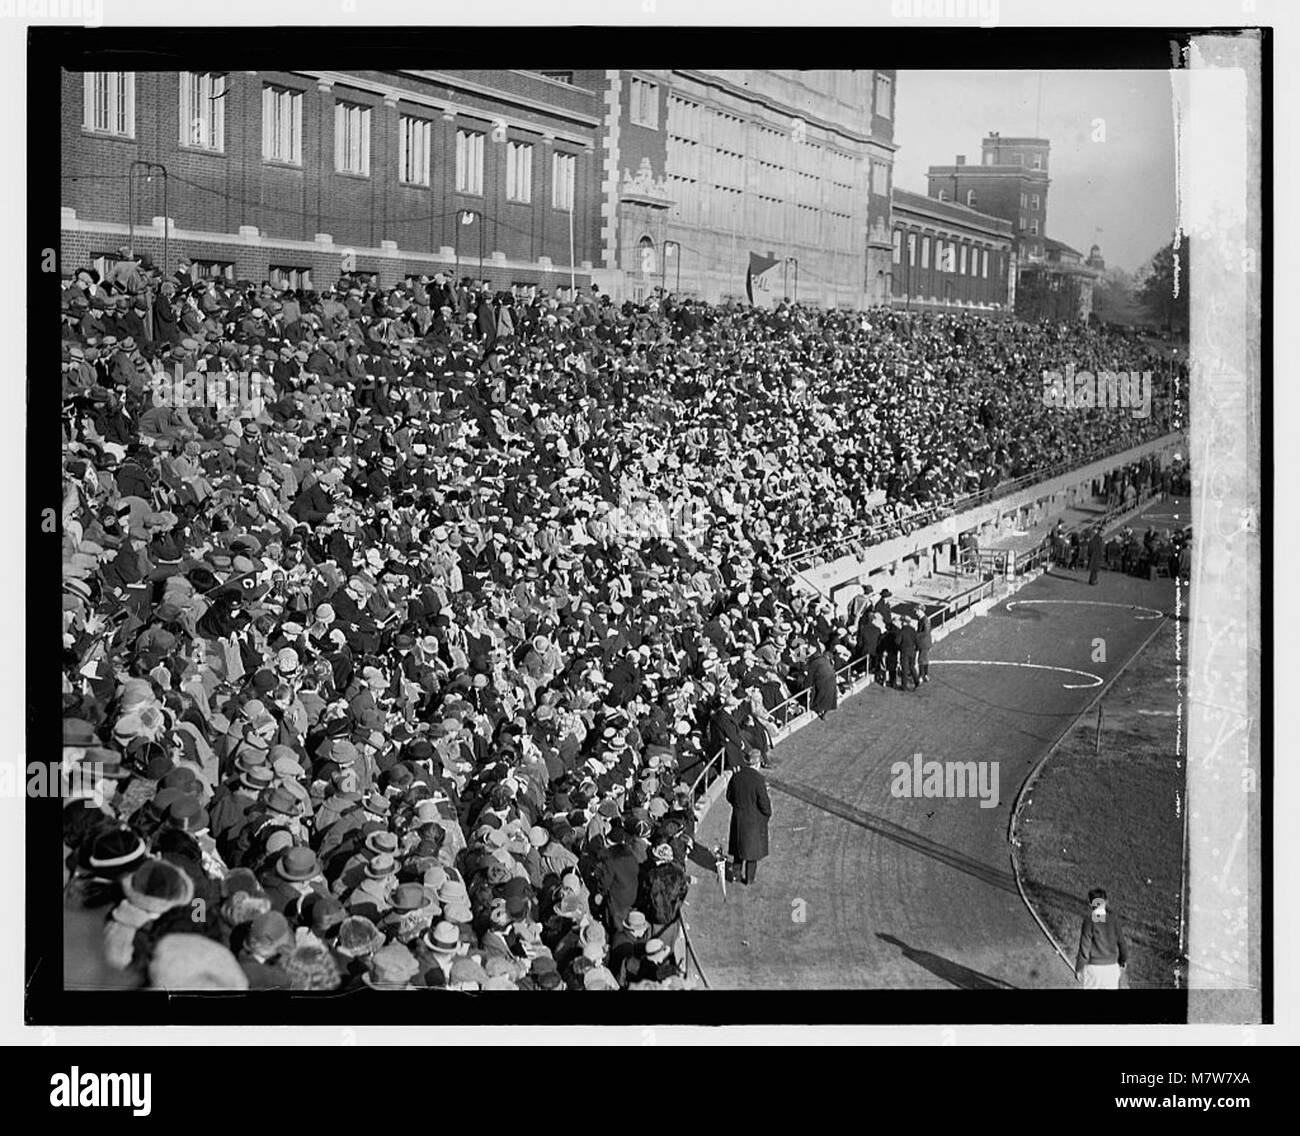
point(918, 893)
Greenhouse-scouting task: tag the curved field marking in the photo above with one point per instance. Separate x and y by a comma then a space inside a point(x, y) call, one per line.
point(1096, 679)
point(1155, 612)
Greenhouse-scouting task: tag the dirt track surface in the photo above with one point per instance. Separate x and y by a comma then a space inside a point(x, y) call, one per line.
point(865, 889)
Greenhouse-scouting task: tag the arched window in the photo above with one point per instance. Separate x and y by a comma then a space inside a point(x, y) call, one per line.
point(943, 195)
point(970, 198)
point(645, 252)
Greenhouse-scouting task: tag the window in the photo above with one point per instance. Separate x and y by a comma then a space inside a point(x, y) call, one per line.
point(282, 275)
point(413, 138)
point(103, 262)
point(519, 172)
point(807, 222)
point(645, 103)
point(970, 198)
point(352, 139)
point(943, 195)
point(986, 264)
point(282, 125)
point(898, 246)
point(563, 170)
point(961, 271)
point(879, 179)
point(213, 270)
point(1022, 224)
point(560, 76)
point(1038, 161)
point(1036, 200)
point(110, 103)
point(684, 118)
point(949, 257)
point(925, 252)
point(469, 161)
point(1024, 201)
point(884, 96)
point(1033, 227)
point(911, 250)
point(203, 110)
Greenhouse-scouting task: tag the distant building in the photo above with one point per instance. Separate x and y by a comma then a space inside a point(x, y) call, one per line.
point(701, 168)
point(1060, 286)
point(946, 255)
point(1052, 280)
point(1010, 182)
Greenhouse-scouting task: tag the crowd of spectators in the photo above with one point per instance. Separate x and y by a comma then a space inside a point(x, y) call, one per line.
point(396, 669)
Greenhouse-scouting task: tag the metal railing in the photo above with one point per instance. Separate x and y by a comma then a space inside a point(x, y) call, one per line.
point(879, 531)
point(785, 714)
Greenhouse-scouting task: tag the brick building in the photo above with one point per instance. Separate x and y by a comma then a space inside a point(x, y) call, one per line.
point(669, 177)
point(1051, 280)
point(701, 168)
point(290, 175)
point(1010, 182)
point(946, 255)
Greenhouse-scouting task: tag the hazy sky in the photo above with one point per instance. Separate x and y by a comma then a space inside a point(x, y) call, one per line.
point(1118, 193)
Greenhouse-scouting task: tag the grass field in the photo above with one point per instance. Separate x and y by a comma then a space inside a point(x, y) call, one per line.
point(1113, 819)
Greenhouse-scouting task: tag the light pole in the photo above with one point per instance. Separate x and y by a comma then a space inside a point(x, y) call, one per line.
point(470, 217)
point(887, 285)
point(671, 249)
point(794, 261)
point(149, 168)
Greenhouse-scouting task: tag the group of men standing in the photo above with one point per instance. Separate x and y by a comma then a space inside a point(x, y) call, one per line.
point(897, 641)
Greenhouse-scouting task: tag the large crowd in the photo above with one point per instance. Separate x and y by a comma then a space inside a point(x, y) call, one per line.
point(398, 671)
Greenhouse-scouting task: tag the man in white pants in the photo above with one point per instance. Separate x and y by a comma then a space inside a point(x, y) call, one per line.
point(1103, 950)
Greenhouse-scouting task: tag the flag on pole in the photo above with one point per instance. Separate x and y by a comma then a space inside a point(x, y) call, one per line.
point(762, 281)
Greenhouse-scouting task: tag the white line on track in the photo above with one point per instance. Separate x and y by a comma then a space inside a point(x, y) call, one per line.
point(1096, 679)
point(1155, 613)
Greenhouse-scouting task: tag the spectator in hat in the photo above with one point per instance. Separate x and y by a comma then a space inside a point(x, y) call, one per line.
point(750, 812)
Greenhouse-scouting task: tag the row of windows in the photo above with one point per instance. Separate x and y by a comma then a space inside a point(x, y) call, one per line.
point(949, 256)
point(1016, 159)
point(110, 109)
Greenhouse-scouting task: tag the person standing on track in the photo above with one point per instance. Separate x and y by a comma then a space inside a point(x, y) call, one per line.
point(1103, 949)
point(751, 809)
point(908, 645)
point(1096, 553)
point(924, 641)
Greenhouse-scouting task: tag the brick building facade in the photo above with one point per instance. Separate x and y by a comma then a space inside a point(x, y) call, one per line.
point(294, 174)
point(1010, 182)
point(946, 255)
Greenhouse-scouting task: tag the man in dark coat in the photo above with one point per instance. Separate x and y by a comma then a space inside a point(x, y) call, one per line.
point(924, 641)
point(618, 876)
point(750, 811)
point(821, 676)
point(1096, 551)
point(908, 645)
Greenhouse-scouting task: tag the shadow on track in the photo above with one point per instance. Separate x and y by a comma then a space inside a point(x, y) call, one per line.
point(959, 976)
point(995, 877)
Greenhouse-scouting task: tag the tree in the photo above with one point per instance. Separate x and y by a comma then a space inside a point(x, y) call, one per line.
point(1166, 271)
point(1113, 300)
